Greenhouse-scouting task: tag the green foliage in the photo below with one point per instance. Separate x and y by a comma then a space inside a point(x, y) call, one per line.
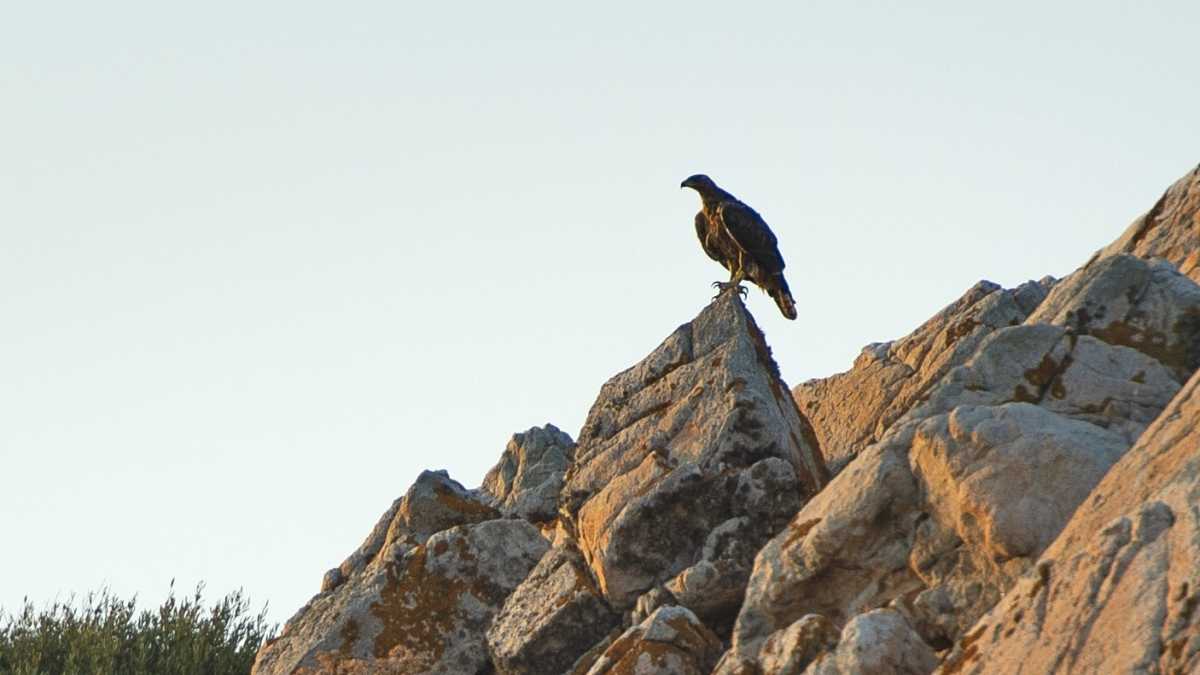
point(104, 635)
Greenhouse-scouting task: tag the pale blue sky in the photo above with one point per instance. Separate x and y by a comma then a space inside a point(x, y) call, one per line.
point(264, 262)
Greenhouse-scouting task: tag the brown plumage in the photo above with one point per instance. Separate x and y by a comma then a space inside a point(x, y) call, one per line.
point(734, 235)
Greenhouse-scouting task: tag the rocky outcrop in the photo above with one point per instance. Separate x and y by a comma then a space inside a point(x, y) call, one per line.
point(438, 560)
point(941, 516)
point(976, 459)
point(426, 612)
point(1122, 300)
point(851, 410)
point(1118, 590)
point(1010, 488)
point(687, 463)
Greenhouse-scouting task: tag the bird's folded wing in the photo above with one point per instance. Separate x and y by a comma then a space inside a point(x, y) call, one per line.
point(750, 231)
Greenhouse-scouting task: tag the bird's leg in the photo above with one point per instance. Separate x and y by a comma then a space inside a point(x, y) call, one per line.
point(736, 277)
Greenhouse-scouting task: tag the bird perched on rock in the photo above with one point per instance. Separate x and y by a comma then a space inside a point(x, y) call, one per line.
point(735, 235)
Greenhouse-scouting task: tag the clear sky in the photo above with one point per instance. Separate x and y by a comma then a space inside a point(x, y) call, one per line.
point(264, 262)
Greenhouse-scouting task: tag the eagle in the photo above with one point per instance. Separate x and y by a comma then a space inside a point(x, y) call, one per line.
point(734, 235)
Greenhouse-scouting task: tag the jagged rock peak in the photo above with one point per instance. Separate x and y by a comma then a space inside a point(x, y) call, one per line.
point(688, 462)
point(702, 429)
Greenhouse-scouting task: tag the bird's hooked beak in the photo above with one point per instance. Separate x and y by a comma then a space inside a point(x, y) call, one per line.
point(684, 184)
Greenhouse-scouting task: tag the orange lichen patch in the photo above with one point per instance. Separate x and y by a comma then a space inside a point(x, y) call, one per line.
point(798, 531)
point(1022, 395)
point(1046, 378)
point(960, 330)
point(695, 638)
point(1179, 352)
point(419, 611)
point(468, 507)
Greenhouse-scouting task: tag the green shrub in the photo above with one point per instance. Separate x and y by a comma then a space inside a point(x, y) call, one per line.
point(104, 635)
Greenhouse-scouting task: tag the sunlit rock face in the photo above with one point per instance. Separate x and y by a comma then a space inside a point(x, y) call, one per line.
point(1118, 589)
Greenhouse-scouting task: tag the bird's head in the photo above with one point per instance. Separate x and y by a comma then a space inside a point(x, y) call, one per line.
point(700, 183)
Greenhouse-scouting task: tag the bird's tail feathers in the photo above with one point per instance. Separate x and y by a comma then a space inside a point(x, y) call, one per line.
point(783, 297)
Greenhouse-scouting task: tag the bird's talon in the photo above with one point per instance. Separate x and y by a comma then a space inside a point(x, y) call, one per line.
point(723, 287)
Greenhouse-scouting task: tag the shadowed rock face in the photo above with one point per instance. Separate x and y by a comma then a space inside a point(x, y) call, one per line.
point(1014, 489)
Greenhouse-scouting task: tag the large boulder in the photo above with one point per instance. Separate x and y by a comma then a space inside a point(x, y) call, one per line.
point(1128, 301)
point(671, 641)
point(879, 641)
point(690, 460)
point(1118, 590)
point(555, 615)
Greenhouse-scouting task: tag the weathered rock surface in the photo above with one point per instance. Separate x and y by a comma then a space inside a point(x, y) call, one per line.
point(437, 536)
point(687, 463)
point(555, 615)
point(793, 649)
point(434, 503)
point(526, 481)
point(425, 612)
point(1118, 591)
point(879, 641)
point(851, 410)
point(944, 514)
point(1127, 301)
point(1170, 230)
point(671, 641)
